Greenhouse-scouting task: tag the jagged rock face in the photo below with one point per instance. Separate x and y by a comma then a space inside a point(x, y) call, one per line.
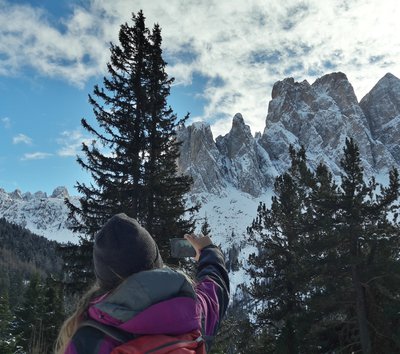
point(319, 116)
point(233, 160)
point(200, 158)
point(239, 157)
point(16, 194)
point(381, 107)
point(238, 141)
point(60, 192)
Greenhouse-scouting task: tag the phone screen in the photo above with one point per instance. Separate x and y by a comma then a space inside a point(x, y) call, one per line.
point(181, 248)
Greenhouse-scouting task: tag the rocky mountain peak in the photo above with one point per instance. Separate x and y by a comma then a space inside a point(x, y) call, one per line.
point(319, 117)
point(40, 195)
point(388, 85)
point(390, 77)
point(238, 141)
point(16, 195)
point(337, 86)
point(238, 120)
point(381, 107)
point(60, 192)
point(288, 85)
point(196, 139)
point(46, 216)
point(199, 158)
point(332, 79)
point(239, 156)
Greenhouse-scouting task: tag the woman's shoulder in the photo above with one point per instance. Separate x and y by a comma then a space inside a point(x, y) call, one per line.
point(144, 288)
point(139, 292)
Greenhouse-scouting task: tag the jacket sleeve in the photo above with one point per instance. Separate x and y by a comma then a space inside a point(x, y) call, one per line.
point(212, 289)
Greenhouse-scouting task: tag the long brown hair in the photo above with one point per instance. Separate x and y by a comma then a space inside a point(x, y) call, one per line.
point(71, 324)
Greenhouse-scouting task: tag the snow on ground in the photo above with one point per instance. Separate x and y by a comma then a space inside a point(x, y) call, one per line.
point(229, 216)
point(61, 235)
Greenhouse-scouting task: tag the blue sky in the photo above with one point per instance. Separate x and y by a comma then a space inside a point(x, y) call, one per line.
point(225, 56)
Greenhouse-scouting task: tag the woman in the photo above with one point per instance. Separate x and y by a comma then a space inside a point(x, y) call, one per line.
point(136, 294)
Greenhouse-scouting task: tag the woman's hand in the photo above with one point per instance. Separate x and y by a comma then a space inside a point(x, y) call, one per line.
point(198, 243)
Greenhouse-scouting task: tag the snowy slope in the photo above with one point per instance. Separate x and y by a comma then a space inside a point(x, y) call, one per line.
point(229, 216)
point(43, 215)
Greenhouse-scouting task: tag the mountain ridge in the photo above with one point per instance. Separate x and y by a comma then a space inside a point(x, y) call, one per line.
point(238, 169)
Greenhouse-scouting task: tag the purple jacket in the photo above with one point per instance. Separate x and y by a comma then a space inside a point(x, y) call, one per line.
point(159, 301)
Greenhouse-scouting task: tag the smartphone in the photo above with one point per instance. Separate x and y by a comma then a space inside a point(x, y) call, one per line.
point(181, 248)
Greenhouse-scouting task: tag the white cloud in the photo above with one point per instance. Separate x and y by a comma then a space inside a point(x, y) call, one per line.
point(245, 45)
point(6, 122)
point(36, 156)
point(71, 143)
point(76, 53)
point(22, 139)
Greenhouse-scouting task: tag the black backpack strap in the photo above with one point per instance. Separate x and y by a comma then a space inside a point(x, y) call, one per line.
point(117, 334)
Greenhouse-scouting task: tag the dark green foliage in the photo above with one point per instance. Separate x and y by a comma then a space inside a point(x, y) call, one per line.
point(30, 315)
point(27, 325)
point(38, 318)
point(77, 272)
point(7, 343)
point(277, 272)
point(132, 159)
point(205, 227)
point(23, 254)
point(53, 315)
point(327, 272)
point(237, 334)
point(232, 258)
point(19, 245)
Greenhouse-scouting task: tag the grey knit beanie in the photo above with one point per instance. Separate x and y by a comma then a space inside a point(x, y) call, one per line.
point(122, 247)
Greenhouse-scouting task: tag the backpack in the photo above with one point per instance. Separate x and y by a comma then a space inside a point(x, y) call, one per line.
point(188, 343)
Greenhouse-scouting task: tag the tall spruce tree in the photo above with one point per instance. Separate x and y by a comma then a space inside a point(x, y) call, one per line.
point(329, 284)
point(354, 243)
point(278, 277)
point(27, 327)
point(132, 159)
point(371, 238)
point(346, 246)
point(53, 313)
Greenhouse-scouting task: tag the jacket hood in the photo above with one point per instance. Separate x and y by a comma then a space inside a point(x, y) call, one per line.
point(159, 301)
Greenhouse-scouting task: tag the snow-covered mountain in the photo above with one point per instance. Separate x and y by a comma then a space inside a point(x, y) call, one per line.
point(318, 116)
point(43, 215)
point(233, 173)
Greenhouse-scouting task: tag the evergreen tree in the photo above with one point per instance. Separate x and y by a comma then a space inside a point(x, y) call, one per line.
point(53, 313)
point(7, 342)
point(16, 291)
point(328, 256)
point(27, 327)
point(38, 319)
point(278, 276)
point(329, 284)
point(205, 227)
point(132, 160)
point(371, 240)
point(354, 243)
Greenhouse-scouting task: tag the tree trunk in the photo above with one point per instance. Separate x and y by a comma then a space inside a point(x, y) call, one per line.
point(361, 311)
